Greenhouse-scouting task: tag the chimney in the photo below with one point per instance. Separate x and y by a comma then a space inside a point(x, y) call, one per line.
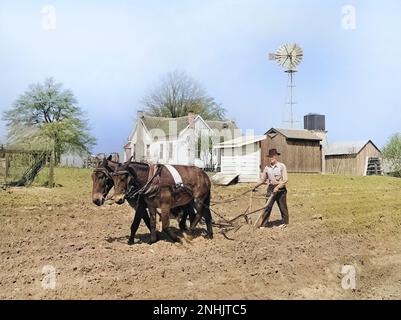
point(139, 114)
point(191, 117)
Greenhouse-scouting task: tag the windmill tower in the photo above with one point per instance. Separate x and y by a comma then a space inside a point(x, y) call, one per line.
point(289, 56)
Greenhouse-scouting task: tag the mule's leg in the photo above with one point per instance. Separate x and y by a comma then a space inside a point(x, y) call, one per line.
point(134, 226)
point(202, 210)
point(188, 211)
point(192, 213)
point(146, 219)
point(208, 219)
point(207, 214)
point(165, 217)
point(198, 215)
point(153, 232)
point(140, 212)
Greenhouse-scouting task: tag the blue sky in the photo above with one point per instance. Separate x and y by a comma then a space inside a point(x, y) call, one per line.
point(110, 53)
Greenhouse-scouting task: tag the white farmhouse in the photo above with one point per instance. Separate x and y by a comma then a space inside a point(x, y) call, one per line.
point(187, 140)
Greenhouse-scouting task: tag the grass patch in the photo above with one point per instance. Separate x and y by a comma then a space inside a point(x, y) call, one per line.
point(346, 204)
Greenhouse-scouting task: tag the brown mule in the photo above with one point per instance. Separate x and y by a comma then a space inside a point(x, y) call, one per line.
point(158, 188)
point(103, 180)
point(102, 184)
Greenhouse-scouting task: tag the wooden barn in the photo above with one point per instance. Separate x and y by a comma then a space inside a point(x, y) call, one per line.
point(300, 149)
point(241, 158)
point(353, 158)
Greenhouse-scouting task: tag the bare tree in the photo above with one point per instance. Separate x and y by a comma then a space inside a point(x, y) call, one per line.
point(177, 94)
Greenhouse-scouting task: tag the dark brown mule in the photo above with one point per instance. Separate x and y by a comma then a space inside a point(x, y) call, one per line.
point(102, 184)
point(102, 180)
point(159, 191)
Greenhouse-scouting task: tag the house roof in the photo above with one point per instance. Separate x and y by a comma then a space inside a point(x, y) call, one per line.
point(162, 123)
point(347, 147)
point(240, 141)
point(300, 134)
point(220, 125)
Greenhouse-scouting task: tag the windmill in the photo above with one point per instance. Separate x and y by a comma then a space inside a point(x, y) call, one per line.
point(289, 56)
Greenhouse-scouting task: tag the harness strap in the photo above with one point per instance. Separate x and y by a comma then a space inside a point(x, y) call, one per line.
point(154, 168)
point(104, 171)
point(176, 175)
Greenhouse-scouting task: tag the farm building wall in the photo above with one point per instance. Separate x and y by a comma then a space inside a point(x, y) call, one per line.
point(244, 161)
point(341, 164)
point(298, 155)
point(354, 164)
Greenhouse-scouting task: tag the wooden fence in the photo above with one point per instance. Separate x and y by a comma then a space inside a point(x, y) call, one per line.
point(19, 167)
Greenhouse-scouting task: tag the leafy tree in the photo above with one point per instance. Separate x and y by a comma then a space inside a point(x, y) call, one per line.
point(392, 153)
point(177, 95)
point(48, 117)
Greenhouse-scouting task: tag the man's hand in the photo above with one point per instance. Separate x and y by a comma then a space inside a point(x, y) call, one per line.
point(254, 189)
point(276, 189)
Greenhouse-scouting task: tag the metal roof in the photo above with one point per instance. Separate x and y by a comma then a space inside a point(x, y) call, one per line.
point(240, 141)
point(345, 147)
point(300, 134)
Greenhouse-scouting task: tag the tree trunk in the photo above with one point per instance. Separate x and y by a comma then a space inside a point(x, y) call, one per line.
point(51, 168)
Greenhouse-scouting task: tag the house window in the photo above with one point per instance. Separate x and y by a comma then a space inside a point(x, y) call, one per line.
point(134, 153)
point(161, 151)
point(170, 150)
point(148, 150)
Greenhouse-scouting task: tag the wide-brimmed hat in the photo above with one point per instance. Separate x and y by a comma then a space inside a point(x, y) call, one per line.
point(273, 152)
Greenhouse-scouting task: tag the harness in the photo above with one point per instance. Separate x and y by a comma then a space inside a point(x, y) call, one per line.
point(152, 190)
point(176, 176)
point(134, 189)
point(105, 172)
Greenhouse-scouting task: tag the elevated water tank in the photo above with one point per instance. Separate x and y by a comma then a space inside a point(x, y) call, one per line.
point(314, 121)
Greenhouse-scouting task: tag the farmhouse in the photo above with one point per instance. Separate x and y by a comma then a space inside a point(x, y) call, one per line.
point(353, 158)
point(300, 149)
point(241, 157)
point(187, 140)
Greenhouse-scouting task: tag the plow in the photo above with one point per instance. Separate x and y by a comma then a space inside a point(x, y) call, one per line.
point(234, 224)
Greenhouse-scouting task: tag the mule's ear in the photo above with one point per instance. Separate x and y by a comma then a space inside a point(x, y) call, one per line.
point(130, 159)
point(109, 157)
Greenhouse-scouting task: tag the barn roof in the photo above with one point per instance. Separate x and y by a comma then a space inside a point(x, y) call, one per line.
point(347, 147)
point(162, 123)
point(300, 134)
point(240, 141)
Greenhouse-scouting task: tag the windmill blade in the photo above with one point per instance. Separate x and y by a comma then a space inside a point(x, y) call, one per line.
point(282, 60)
point(290, 48)
point(288, 56)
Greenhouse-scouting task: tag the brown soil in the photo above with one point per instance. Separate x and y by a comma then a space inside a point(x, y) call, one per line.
point(88, 247)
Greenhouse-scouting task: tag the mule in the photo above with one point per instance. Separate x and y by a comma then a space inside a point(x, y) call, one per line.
point(102, 184)
point(158, 188)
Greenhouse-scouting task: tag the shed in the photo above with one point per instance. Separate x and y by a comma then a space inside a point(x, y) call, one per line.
point(353, 158)
point(300, 149)
point(241, 156)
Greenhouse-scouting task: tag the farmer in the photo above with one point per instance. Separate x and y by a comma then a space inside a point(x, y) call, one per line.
point(276, 176)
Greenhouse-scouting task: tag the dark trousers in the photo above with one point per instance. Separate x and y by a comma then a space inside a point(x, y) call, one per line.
point(280, 198)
